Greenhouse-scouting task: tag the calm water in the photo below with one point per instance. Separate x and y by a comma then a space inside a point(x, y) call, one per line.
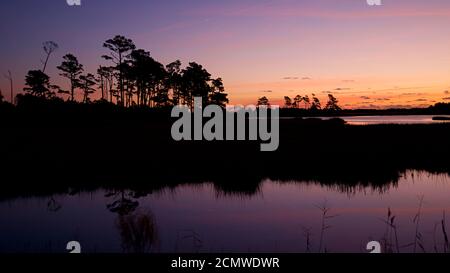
point(197, 218)
point(413, 119)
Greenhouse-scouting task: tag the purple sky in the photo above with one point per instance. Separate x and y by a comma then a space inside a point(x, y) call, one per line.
point(396, 54)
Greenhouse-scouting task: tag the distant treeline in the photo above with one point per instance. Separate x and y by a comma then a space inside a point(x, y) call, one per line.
point(30, 105)
point(437, 109)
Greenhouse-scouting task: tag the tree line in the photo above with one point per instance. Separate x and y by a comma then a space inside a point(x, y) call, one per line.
point(132, 78)
point(305, 102)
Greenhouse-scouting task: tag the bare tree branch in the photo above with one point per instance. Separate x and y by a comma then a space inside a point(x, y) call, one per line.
point(49, 47)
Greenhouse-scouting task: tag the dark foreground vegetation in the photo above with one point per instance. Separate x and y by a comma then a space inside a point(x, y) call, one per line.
point(52, 148)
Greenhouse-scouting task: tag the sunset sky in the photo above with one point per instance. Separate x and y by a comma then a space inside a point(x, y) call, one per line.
point(395, 55)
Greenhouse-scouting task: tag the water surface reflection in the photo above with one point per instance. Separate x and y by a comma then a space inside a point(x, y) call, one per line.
point(280, 217)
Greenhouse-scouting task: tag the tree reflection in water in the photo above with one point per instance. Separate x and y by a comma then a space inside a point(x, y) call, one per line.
point(138, 232)
point(137, 227)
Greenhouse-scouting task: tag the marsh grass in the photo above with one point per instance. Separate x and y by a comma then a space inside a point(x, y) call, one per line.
point(192, 237)
point(307, 234)
point(444, 232)
point(390, 239)
point(325, 217)
point(418, 238)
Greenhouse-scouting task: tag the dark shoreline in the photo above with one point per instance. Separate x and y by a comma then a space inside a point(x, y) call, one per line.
point(44, 153)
